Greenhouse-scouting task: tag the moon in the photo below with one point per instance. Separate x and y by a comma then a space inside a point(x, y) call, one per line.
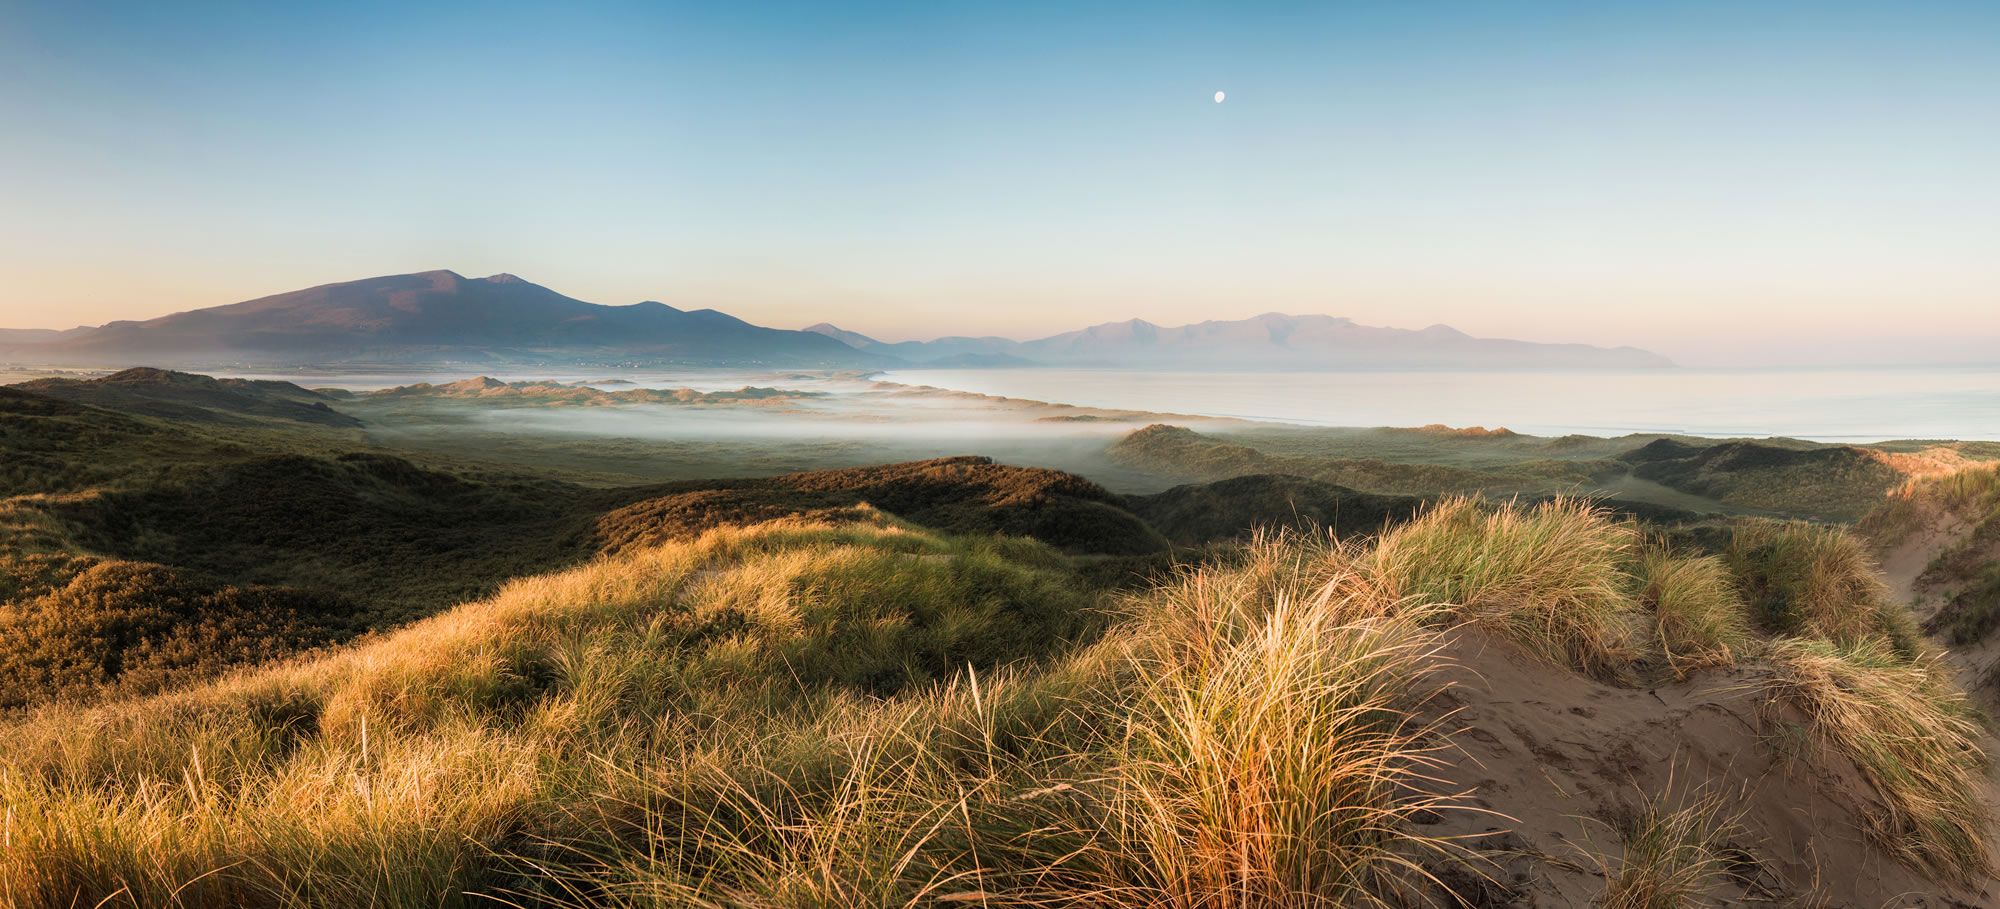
point(1218, 97)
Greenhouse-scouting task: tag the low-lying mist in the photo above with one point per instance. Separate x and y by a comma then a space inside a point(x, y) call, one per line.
point(813, 422)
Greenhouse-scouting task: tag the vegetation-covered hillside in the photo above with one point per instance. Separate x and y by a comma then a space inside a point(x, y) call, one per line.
point(1783, 478)
point(873, 714)
point(249, 659)
point(202, 526)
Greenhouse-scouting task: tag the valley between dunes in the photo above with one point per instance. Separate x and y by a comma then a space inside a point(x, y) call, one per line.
point(262, 645)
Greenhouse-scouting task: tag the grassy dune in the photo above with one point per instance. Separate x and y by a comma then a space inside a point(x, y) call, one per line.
point(1954, 520)
point(874, 714)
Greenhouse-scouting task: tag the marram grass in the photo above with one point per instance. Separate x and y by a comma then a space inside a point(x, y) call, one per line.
point(786, 716)
point(1699, 619)
point(875, 715)
point(1551, 577)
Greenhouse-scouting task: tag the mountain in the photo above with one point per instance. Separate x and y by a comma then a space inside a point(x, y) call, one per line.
point(441, 316)
point(37, 335)
point(1269, 341)
point(925, 352)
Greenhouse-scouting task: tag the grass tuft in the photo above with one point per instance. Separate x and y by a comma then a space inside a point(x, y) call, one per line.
point(1698, 618)
point(1810, 580)
point(1549, 576)
point(1910, 733)
point(1673, 856)
point(1273, 761)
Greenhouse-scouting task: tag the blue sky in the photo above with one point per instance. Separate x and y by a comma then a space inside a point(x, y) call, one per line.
point(1722, 181)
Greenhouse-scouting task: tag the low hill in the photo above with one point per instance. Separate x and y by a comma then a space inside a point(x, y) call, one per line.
point(1834, 482)
point(1196, 514)
point(1176, 451)
point(180, 395)
point(957, 495)
point(414, 539)
point(1647, 474)
point(441, 316)
point(488, 390)
point(55, 446)
point(131, 510)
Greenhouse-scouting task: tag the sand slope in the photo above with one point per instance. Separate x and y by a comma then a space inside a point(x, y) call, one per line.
point(1561, 759)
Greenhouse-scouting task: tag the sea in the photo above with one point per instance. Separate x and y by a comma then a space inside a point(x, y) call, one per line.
point(1821, 404)
point(1832, 405)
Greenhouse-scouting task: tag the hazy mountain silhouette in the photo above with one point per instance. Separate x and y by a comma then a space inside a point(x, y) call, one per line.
point(1269, 341)
point(39, 335)
point(441, 316)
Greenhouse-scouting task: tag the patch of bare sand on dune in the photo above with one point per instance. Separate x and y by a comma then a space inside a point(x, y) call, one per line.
point(1563, 762)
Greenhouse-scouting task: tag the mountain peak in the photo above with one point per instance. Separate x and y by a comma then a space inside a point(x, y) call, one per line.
point(853, 339)
point(442, 315)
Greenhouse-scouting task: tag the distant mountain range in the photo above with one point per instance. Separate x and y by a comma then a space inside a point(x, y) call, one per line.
point(440, 318)
point(1270, 341)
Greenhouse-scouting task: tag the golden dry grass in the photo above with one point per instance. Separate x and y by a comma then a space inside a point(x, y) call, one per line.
point(1675, 853)
point(1273, 761)
point(1912, 736)
point(863, 715)
point(1551, 577)
point(1811, 580)
point(871, 714)
point(1699, 619)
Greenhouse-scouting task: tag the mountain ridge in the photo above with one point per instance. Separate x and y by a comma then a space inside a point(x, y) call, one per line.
point(1270, 340)
point(443, 317)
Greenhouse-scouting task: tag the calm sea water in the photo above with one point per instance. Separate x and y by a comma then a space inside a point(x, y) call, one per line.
point(1854, 405)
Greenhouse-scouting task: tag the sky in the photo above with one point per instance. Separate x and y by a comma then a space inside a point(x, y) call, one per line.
point(1727, 183)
